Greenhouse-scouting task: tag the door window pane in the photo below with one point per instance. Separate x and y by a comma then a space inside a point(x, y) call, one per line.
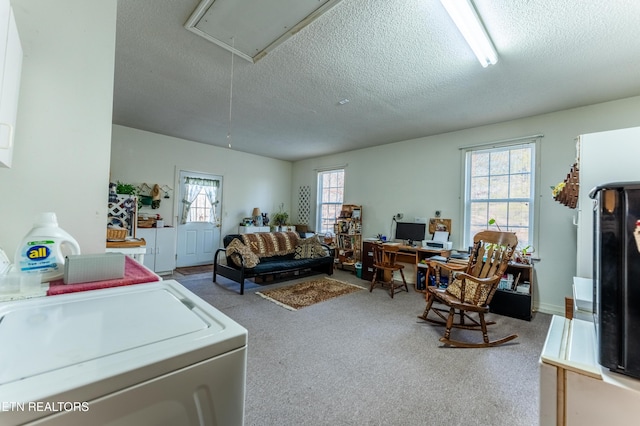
point(200, 210)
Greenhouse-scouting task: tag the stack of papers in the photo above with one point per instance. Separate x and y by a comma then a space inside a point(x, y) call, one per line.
point(438, 258)
point(441, 236)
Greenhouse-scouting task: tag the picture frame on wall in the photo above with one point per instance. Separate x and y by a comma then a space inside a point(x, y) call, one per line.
point(437, 224)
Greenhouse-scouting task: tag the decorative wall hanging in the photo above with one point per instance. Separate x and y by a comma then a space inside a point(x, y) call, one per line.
point(122, 214)
point(150, 195)
point(155, 196)
point(566, 192)
point(166, 189)
point(437, 224)
point(304, 204)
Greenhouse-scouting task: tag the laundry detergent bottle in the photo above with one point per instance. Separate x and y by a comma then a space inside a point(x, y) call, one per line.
point(44, 248)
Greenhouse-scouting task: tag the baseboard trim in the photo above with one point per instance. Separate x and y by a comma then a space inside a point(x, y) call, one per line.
point(550, 309)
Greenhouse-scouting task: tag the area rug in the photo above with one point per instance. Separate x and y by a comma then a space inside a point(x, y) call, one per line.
point(192, 270)
point(308, 293)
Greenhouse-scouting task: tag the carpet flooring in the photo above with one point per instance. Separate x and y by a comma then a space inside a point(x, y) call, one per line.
point(365, 359)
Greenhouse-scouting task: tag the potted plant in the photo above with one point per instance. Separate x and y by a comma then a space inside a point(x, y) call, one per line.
point(525, 255)
point(130, 189)
point(280, 219)
point(522, 255)
point(126, 188)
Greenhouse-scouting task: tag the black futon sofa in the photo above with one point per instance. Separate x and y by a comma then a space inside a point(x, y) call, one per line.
point(277, 254)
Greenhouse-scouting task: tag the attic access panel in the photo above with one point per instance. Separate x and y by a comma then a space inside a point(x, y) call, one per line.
point(250, 28)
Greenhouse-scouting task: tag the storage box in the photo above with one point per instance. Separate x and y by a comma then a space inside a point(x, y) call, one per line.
point(84, 268)
point(511, 304)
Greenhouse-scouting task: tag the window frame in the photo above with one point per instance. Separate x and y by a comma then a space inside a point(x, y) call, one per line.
point(533, 221)
point(208, 208)
point(320, 202)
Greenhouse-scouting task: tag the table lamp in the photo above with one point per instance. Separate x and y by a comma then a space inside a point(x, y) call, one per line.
point(257, 216)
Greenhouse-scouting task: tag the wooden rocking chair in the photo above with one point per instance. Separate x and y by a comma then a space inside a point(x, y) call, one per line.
point(471, 288)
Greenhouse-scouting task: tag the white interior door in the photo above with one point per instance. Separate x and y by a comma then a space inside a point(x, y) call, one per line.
point(199, 237)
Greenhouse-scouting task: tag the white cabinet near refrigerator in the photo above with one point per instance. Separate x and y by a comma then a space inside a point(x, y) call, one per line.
point(603, 157)
point(144, 354)
point(10, 70)
point(577, 391)
point(161, 248)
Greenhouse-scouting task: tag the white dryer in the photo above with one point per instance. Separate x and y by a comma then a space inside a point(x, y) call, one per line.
point(146, 354)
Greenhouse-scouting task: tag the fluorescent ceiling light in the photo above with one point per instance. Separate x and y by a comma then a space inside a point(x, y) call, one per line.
point(466, 19)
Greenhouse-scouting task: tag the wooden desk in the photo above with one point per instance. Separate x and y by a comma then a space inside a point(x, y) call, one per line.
point(414, 256)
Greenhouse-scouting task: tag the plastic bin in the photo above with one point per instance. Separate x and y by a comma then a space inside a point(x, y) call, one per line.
point(358, 269)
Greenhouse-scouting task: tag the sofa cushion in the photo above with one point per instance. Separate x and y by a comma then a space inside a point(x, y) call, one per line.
point(289, 264)
point(470, 289)
point(237, 248)
point(309, 248)
point(266, 244)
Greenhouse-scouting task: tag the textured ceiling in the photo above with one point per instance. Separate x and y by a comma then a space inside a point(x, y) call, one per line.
point(402, 64)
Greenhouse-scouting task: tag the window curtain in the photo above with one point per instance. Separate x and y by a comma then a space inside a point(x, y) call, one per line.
point(211, 192)
point(193, 187)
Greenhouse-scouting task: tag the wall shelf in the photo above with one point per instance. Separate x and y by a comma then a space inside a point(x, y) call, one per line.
point(568, 195)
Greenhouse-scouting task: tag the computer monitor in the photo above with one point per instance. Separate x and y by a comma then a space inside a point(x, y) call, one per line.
point(410, 231)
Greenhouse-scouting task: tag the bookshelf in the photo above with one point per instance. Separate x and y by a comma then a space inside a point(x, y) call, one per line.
point(348, 231)
point(515, 297)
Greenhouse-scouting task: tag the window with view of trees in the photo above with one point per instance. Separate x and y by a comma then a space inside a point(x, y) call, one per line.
point(330, 198)
point(500, 185)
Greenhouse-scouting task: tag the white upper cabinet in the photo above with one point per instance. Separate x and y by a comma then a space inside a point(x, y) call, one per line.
point(10, 68)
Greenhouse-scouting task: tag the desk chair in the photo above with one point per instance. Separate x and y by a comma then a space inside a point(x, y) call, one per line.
point(471, 288)
point(384, 264)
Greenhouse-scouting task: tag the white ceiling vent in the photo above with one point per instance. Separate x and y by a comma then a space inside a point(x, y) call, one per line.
point(250, 28)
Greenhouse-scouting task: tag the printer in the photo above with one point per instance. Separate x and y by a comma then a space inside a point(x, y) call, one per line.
point(440, 241)
point(437, 245)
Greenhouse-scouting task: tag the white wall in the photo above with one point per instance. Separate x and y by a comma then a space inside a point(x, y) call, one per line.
point(420, 176)
point(248, 180)
point(63, 129)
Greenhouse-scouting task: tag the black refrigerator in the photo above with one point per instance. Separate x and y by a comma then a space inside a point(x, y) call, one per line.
point(616, 275)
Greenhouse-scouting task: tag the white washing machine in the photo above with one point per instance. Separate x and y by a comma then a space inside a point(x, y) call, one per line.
point(146, 354)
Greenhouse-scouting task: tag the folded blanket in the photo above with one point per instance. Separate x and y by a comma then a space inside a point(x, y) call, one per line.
point(134, 273)
point(271, 243)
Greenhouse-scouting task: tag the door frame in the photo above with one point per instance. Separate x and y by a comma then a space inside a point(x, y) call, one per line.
point(179, 171)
